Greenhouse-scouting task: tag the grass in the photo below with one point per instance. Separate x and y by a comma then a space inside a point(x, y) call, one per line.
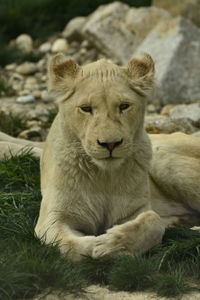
point(10, 54)
point(41, 18)
point(12, 124)
point(28, 267)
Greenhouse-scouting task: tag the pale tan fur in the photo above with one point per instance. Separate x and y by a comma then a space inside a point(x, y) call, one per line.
point(97, 205)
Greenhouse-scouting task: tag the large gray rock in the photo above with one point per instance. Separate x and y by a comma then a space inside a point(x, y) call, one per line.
point(175, 48)
point(107, 30)
point(117, 30)
point(190, 113)
point(140, 21)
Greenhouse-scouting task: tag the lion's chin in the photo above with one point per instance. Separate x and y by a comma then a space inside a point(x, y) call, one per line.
point(108, 163)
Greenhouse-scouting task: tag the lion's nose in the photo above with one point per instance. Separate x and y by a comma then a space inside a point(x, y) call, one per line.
point(110, 145)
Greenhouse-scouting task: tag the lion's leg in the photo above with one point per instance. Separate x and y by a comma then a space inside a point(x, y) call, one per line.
point(138, 235)
point(71, 242)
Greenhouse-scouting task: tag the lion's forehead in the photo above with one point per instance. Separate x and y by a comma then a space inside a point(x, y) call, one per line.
point(102, 71)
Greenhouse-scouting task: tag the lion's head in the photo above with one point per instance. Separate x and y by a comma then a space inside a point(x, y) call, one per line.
point(102, 104)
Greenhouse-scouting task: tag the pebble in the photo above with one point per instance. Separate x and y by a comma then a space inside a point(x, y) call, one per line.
point(47, 97)
point(24, 42)
point(25, 99)
point(27, 68)
point(45, 47)
point(59, 45)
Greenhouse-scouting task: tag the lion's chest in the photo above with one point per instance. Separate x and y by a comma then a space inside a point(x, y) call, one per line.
point(107, 203)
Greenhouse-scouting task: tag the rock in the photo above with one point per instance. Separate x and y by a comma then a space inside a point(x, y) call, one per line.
point(42, 65)
point(73, 29)
point(45, 47)
point(47, 97)
point(197, 134)
point(174, 7)
point(27, 68)
point(37, 94)
point(175, 47)
point(190, 113)
point(191, 11)
point(31, 83)
point(24, 42)
point(11, 67)
point(107, 31)
point(140, 21)
point(37, 110)
point(59, 45)
point(164, 124)
point(25, 99)
point(151, 108)
point(34, 134)
point(166, 109)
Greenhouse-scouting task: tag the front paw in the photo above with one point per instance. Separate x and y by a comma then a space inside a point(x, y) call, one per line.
point(109, 243)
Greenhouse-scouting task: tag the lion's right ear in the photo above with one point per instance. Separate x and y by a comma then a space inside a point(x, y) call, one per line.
point(62, 72)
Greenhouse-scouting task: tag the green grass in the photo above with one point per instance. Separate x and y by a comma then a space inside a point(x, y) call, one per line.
point(10, 54)
point(2, 85)
point(12, 124)
point(28, 267)
point(41, 18)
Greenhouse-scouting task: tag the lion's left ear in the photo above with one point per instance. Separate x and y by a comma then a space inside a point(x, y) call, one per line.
point(62, 72)
point(141, 70)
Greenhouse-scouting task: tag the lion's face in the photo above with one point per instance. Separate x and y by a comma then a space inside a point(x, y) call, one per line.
point(104, 112)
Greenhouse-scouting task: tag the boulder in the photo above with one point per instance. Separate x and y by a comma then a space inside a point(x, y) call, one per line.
point(190, 113)
point(175, 47)
point(73, 29)
point(107, 31)
point(174, 7)
point(24, 42)
point(191, 11)
point(140, 21)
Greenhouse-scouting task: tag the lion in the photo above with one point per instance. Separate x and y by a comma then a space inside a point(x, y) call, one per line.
point(102, 193)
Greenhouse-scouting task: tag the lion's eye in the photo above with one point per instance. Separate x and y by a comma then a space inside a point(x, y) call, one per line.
point(123, 106)
point(87, 109)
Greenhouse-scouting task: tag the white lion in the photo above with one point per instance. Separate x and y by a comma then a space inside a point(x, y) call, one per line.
point(102, 193)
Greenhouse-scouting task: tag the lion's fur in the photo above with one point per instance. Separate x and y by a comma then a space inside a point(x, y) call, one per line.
point(96, 205)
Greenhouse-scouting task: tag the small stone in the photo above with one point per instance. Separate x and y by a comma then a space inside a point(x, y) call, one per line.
point(41, 65)
point(37, 94)
point(33, 123)
point(73, 29)
point(33, 134)
point(27, 68)
point(24, 42)
point(44, 78)
point(11, 67)
point(25, 99)
point(151, 108)
point(85, 44)
point(47, 97)
point(24, 92)
point(59, 45)
point(166, 109)
point(45, 47)
point(31, 80)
